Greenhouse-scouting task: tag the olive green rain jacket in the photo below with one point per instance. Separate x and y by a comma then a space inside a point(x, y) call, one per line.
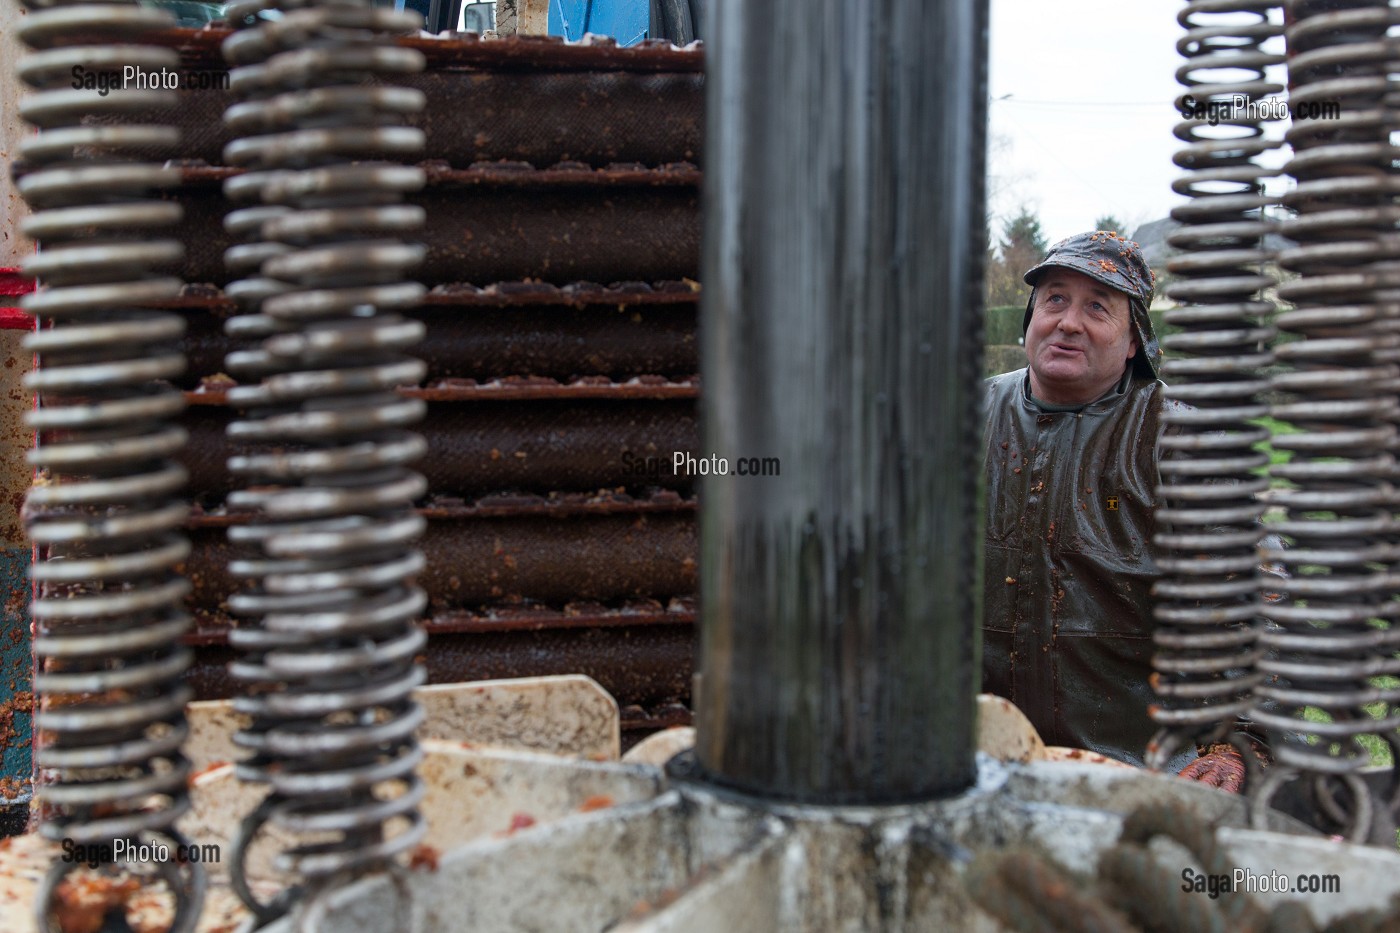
point(1067, 631)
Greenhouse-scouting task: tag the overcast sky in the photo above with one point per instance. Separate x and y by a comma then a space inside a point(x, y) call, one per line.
point(1087, 129)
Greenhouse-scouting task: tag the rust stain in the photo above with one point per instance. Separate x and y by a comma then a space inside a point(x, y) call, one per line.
point(83, 901)
point(424, 858)
point(596, 802)
point(21, 703)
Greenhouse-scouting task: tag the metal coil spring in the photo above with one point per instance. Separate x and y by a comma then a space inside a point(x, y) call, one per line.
point(107, 510)
point(1208, 517)
point(332, 658)
point(1336, 630)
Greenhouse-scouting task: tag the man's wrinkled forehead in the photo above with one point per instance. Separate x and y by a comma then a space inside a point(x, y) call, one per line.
point(1055, 277)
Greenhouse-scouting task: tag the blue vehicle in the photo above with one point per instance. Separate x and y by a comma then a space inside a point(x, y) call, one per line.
point(628, 21)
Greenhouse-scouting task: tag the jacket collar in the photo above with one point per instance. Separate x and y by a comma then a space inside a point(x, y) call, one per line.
point(1104, 403)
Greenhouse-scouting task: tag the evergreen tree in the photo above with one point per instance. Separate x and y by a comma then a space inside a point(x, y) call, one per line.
point(1022, 233)
point(1112, 224)
point(1022, 245)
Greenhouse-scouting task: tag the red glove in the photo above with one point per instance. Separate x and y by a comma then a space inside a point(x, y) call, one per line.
point(1221, 766)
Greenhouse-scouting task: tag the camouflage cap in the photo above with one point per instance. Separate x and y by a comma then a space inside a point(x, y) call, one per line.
point(1118, 263)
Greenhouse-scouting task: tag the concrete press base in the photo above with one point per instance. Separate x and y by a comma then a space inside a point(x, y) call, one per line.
point(697, 859)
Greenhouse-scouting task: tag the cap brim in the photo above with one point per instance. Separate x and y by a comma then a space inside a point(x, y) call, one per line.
point(1034, 274)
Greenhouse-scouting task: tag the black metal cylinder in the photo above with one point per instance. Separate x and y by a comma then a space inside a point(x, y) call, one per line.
point(841, 334)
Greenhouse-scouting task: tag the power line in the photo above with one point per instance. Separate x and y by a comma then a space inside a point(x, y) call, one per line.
point(1155, 105)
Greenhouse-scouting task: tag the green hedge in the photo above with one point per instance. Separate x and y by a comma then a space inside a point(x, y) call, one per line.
point(1003, 358)
point(1004, 325)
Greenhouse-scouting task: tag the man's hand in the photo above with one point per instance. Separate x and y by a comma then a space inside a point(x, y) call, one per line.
point(1221, 766)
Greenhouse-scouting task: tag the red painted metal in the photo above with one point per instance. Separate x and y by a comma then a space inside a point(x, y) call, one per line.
point(13, 284)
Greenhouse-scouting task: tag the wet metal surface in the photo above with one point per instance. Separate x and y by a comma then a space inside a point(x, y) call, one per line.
point(552, 341)
point(842, 334)
point(558, 538)
point(643, 667)
point(586, 101)
point(574, 614)
point(507, 559)
point(496, 295)
point(539, 389)
point(483, 446)
point(620, 570)
point(582, 116)
point(517, 388)
point(500, 223)
point(494, 224)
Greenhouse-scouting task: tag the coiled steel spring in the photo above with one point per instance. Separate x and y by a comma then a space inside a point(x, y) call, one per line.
point(1208, 518)
point(332, 658)
point(1336, 634)
point(106, 511)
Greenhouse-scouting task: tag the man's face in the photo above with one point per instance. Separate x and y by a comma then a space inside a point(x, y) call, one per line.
point(1079, 339)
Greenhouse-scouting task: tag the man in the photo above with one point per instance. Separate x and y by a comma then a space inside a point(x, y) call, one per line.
point(1071, 474)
